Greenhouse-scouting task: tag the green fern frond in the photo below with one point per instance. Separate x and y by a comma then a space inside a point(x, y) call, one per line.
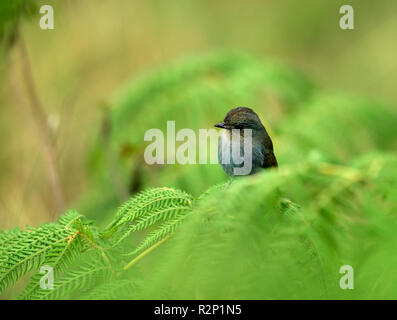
point(54, 243)
point(62, 256)
point(7, 236)
point(116, 289)
point(69, 218)
point(147, 208)
point(218, 186)
point(152, 218)
point(86, 272)
point(165, 229)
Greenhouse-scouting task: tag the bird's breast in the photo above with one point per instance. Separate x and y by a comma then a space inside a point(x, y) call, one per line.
point(227, 145)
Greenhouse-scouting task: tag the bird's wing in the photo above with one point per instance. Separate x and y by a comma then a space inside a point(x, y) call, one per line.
point(269, 160)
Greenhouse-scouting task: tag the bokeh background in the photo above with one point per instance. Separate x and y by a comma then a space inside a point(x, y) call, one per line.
point(188, 61)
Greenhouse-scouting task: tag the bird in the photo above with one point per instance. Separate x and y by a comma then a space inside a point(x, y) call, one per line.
point(243, 118)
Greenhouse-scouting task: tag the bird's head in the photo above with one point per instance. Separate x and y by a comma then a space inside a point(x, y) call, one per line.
point(241, 118)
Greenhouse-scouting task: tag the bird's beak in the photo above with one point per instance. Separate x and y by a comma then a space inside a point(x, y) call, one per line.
point(220, 125)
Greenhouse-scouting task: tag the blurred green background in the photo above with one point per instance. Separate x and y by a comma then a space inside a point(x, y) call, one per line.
point(189, 61)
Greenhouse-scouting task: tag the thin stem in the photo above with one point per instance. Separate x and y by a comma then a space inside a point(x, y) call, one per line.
point(44, 132)
point(144, 253)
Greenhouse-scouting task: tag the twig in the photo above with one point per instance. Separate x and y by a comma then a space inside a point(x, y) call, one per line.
point(144, 253)
point(44, 133)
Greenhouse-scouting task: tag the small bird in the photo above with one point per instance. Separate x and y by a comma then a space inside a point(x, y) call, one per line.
point(262, 147)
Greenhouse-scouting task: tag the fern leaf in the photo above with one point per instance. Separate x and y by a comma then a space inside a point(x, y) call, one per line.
point(23, 251)
point(152, 218)
point(7, 237)
point(116, 289)
point(160, 233)
point(63, 258)
point(147, 208)
point(83, 275)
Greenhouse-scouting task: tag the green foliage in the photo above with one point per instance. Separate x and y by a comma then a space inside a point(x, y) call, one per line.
point(328, 120)
point(239, 242)
point(279, 234)
point(82, 257)
point(282, 233)
point(11, 12)
point(55, 244)
point(116, 289)
point(207, 85)
point(148, 208)
point(81, 276)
